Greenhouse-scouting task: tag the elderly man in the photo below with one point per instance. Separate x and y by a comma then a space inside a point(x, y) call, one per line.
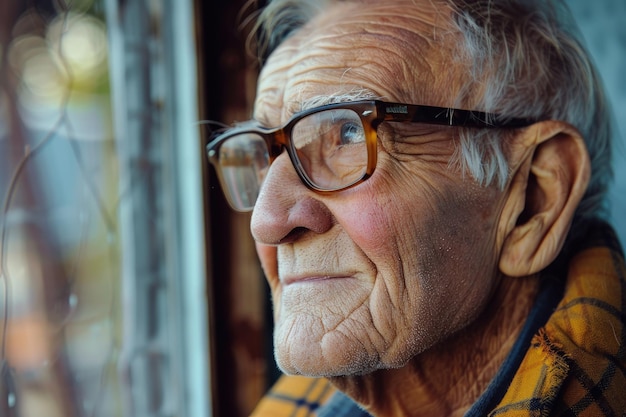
point(427, 181)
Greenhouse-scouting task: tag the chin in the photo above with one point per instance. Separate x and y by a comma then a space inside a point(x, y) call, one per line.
point(310, 361)
point(325, 370)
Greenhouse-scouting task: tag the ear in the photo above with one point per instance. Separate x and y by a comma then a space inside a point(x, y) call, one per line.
point(544, 193)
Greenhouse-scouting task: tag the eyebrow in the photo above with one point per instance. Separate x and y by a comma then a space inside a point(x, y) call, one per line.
point(312, 102)
point(345, 97)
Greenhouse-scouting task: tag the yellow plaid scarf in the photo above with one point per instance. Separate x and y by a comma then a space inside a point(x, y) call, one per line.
point(295, 396)
point(575, 366)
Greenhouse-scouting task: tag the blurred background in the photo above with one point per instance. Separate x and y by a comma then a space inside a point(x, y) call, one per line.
point(127, 286)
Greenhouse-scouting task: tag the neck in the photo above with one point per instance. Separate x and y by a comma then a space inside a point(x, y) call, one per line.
point(449, 377)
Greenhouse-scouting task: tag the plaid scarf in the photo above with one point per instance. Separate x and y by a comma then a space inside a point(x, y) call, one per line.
point(575, 365)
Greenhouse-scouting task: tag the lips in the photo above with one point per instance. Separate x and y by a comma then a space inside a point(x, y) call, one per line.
point(312, 278)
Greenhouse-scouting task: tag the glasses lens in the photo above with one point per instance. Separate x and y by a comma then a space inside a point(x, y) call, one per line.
point(331, 148)
point(243, 161)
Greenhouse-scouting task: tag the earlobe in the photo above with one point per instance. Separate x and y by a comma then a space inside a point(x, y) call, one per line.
point(544, 194)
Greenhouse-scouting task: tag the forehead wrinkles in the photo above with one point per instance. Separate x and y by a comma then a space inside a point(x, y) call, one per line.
point(397, 52)
point(418, 16)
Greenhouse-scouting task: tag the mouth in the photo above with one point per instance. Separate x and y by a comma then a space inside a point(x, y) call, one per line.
point(313, 278)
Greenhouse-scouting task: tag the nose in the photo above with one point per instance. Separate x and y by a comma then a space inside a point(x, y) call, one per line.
point(285, 208)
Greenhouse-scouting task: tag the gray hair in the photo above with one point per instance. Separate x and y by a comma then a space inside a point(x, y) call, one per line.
point(537, 67)
point(524, 59)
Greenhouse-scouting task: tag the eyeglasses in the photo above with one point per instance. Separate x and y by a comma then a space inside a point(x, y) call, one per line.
point(332, 147)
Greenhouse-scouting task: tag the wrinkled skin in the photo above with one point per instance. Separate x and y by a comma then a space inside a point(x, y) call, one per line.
point(368, 278)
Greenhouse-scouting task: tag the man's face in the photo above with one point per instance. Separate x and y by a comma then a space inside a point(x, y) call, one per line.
point(368, 277)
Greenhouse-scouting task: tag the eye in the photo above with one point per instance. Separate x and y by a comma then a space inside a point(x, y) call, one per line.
point(351, 133)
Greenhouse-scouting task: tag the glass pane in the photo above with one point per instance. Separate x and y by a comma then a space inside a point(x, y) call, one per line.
point(60, 249)
point(100, 242)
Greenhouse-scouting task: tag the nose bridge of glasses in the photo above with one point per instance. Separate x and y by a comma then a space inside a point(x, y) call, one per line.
point(276, 140)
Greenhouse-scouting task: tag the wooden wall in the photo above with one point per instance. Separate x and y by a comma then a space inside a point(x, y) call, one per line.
point(242, 362)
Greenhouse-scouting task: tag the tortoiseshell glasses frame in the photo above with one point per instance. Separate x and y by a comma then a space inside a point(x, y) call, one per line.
point(332, 147)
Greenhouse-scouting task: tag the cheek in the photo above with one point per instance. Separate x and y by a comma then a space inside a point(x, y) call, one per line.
point(385, 230)
point(434, 260)
point(444, 224)
point(368, 219)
